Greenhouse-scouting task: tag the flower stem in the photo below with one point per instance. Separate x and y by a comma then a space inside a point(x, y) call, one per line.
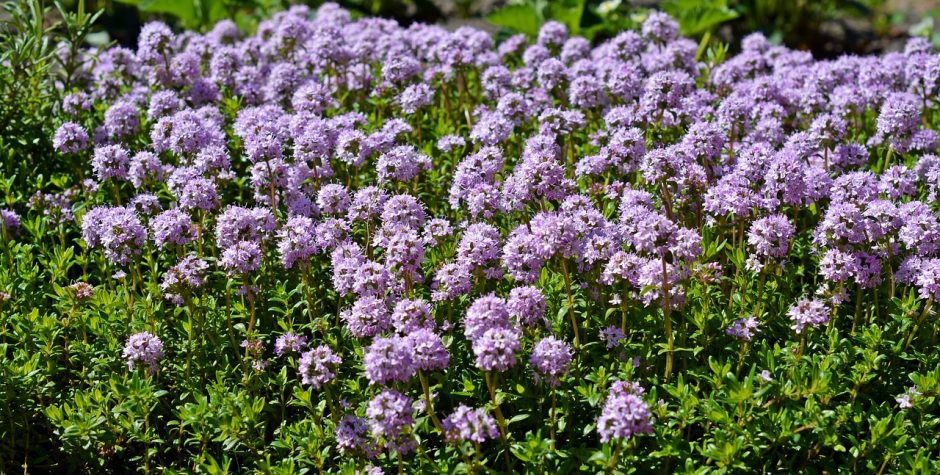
point(500, 419)
point(574, 321)
point(427, 399)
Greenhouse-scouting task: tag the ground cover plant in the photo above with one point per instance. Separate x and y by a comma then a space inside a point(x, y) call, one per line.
point(344, 245)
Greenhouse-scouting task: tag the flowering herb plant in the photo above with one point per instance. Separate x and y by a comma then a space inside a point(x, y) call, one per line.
point(343, 245)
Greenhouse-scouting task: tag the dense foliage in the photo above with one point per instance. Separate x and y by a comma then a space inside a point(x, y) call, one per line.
point(346, 245)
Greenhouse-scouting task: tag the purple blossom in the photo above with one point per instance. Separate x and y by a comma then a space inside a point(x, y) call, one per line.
point(117, 230)
point(183, 278)
point(333, 200)
point(411, 315)
point(389, 359)
point(429, 352)
point(612, 336)
point(807, 314)
point(527, 306)
point(145, 168)
point(389, 413)
point(243, 258)
point(624, 415)
point(110, 161)
point(485, 313)
point(551, 359)
point(367, 317)
point(317, 366)
point(143, 349)
point(352, 437)
point(9, 221)
point(297, 241)
point(402, 163)
point(770, 236)
point(173, 227)
point(466, 424)
point(82, 290)
point(290, 342)
point(496, 349)
point(70, 138)
point(743, 328)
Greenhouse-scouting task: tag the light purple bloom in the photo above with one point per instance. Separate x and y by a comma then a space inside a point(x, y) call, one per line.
point(807, 314)
point(466, 424)
point(550, 359)
point(317, 366)
point(143, 349)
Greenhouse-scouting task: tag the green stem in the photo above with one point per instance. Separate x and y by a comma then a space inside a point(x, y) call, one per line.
point(574, 321)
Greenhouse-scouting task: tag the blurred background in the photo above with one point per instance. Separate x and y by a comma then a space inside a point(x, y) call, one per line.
point(825, 27)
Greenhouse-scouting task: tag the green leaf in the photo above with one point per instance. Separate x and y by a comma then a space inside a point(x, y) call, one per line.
point(568, 12)
point(698, 16)
point(521, 18)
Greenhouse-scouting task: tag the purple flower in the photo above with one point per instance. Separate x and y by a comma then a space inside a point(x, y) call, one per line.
point(485, 313)
point(352, 436)
point(368, 317)
point(479, 246)
point(807, 314)
point(449, 143)
point(314, 97)
point(450, 281)
point(389, 413)
point(612, 336)
point(236, 224)
point(496, 349)
point(904, 401)
point(367, 204)
point(122, 119)
point(9, 221)
point(70, 138)
point(155, 42)
point(172, 226)
point(743, 328)
point(243, 258)
point(527, 305)
point(624, 415)
point(412, 315)
point(389, 359)
point(145, 168)
point(118, 230)
point(199, 193)
point(317, 366)
point(402, 163)
point(297, 241)
point(435, 230)
point(429, 351)
point(370, 279)
point(466, 424)
point(289, 342)
point(770, 236)
point(404, 252)
point(898, 121)
point(333, 200)
point(143, 349)
point(550, 359)
point(82, 290)
point(163, 103)
point(660, 27)
point(403, 210)
point(180, 280)
point(110, 161)
point(415, 97)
